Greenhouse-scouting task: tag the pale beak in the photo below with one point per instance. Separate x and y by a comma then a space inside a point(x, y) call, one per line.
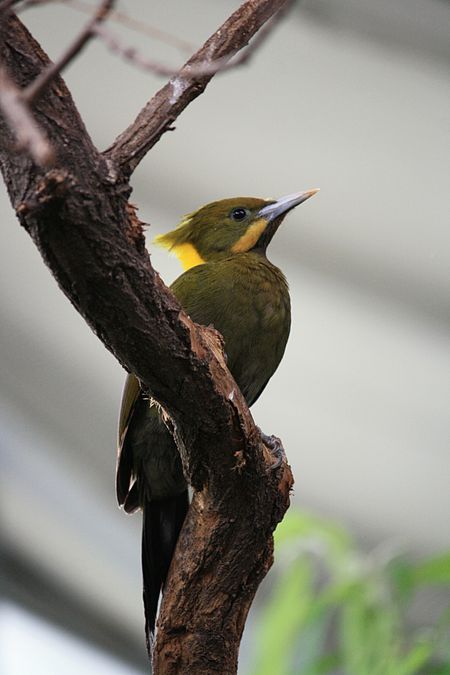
point(285, 204)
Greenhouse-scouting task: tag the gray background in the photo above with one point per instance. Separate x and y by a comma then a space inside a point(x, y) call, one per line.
point(347, 95)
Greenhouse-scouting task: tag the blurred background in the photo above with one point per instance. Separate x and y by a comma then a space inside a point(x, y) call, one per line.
point(347, 95)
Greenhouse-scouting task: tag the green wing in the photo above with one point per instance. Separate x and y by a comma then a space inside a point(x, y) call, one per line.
point(249, 306)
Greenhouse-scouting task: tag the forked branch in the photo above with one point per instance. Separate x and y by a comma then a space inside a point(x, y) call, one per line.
point(38, 85)
point(190, 81)
point(78, 215)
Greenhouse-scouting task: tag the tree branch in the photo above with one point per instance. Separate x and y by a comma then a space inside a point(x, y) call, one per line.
point(5, 6)
point(78, 216)
point(165, 106)
point(38, 85)
point(137, 25)
point(20, 121)
point(196, 70)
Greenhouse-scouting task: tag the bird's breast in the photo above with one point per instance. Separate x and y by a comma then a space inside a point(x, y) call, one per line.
point(246, 299)
point(256, 333)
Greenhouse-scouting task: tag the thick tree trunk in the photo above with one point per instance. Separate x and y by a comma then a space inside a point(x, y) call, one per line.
point(78, 215)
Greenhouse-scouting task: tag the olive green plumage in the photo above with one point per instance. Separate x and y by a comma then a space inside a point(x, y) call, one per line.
point(213, 230)
point(230, 284)
point(246, 299)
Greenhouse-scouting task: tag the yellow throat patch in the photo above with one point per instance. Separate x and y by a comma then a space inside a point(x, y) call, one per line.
point(188, 255)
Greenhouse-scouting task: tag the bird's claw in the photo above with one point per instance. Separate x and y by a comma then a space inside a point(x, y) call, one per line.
point(275, 446)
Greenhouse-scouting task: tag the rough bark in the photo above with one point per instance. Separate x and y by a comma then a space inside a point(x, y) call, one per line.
point(78, 216)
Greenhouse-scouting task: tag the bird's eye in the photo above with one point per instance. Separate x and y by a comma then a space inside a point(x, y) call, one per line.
point(239, 213)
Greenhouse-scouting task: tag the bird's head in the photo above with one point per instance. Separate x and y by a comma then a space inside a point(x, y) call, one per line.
point(228, 227)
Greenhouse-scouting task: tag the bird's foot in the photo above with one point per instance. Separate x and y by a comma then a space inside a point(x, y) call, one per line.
point(275, 446)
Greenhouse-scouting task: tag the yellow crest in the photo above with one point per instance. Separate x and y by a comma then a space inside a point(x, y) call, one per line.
point(186, 252)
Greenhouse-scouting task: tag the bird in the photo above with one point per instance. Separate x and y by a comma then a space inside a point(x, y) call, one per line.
point(229, 283)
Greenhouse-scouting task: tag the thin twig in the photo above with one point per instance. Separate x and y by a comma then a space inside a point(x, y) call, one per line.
point(136, 25)
point(33, 90)
point(192, 70)
point(6, 5)
point(26, 4)
point(166, 105)
point(130, 22)
point(21, 122)
point(132, 54)
point(114, 15)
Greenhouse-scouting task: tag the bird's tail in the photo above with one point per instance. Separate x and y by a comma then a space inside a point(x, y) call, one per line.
point(161, 525)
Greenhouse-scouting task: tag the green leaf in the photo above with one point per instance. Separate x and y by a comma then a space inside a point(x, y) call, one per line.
point(284, 619)
point(435, 570)
point(302, 532)
point(323, 582)
point(415, 659)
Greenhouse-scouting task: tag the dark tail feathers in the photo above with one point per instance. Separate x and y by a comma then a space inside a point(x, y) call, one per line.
point(161, 525)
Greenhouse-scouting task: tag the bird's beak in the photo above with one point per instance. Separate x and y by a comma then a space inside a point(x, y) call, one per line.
point(285, 204)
